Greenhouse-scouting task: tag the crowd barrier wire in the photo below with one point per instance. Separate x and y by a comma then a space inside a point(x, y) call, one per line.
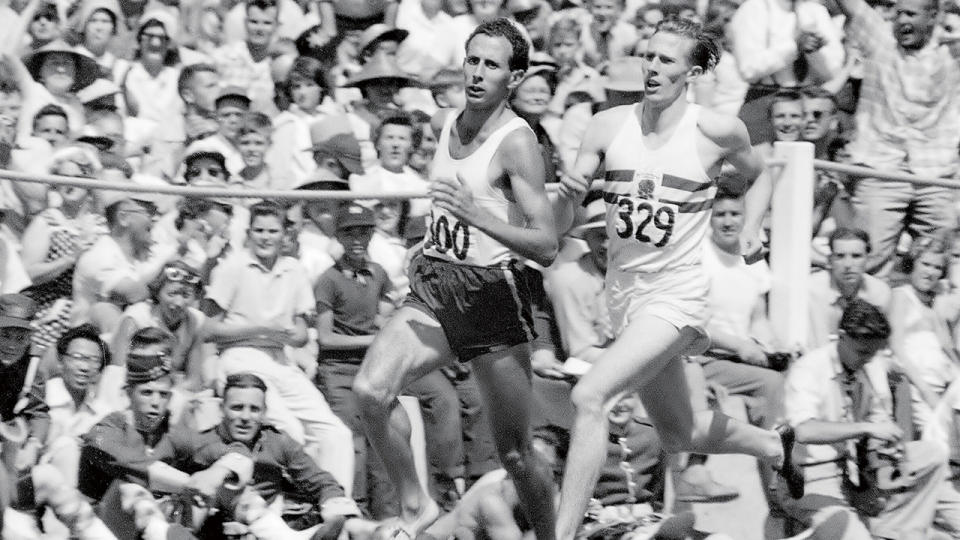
point(272, 194)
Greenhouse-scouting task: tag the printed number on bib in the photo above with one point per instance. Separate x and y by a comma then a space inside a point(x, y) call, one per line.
point(648, 221)
point(455, 239)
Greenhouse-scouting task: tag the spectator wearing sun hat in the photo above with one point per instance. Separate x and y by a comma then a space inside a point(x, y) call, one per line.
point(45, 78)
point(96, 26)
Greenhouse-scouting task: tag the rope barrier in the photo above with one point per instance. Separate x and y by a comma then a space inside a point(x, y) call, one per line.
point(313, 195)
point(867, 172)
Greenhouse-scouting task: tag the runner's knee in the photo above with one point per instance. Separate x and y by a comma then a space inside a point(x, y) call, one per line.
point(370, 394)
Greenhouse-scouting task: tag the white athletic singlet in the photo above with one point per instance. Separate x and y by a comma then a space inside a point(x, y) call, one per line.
point(448, 238)
point(658, 199)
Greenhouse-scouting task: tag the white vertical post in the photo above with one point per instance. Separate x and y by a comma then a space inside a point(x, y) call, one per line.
point(791, 221)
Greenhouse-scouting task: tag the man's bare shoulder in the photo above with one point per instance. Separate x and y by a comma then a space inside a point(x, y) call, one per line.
point(726, 131)
point(518, 146)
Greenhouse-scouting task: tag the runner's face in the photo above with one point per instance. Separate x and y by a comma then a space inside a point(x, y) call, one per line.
point(667, 67)
point(487, 72)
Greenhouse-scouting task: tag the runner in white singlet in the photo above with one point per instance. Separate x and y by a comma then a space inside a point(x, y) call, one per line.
point(660, 156)
point(467, 301)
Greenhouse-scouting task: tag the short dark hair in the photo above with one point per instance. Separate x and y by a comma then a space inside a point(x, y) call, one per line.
point(505, 28)
point(187, 73)
point(706, 49)
point(152, 335)
point(256, 122)
point(262, 5)
point(818, 92)
point(88, 332)
point(49, 110)
point(308, 67)
point(849, 233)
point(726, 194)
point(243, 380)
point(399, 119)
point(172, 56)
point(863, 320)
point(267, 208)
point(784, 95)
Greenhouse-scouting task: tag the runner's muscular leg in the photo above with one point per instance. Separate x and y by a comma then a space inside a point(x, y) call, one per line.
point(634, 359)
point(504, 381)
point(409, 346)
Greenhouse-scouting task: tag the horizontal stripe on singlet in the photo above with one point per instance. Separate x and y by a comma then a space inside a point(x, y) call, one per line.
point(682, 207)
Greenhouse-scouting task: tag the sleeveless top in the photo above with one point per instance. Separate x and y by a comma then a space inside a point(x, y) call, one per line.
point(658, 199)
point(448, 238)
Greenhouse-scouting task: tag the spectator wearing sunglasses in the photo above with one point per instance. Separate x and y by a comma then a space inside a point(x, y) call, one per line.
point(87, 388)
point(115, 271)
point(172, 306)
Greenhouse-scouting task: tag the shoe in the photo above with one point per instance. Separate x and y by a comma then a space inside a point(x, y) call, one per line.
point(709, 491)
point(791, 472)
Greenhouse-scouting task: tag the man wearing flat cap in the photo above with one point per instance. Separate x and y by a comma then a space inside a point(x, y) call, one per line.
point(21, 387)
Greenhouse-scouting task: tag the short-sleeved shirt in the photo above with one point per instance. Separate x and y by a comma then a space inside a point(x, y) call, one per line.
point(237, 68)
point(353, 296)
point(251, 294)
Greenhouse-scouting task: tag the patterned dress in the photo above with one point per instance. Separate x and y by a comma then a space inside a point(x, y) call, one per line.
point(55, 297)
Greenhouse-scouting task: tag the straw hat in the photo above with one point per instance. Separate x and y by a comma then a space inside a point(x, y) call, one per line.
point(624, 74)
point(87, 70)
point(379, 70)
point(377, 33)
point(595, 217)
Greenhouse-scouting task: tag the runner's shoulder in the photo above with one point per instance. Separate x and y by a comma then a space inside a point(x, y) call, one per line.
point(725, 130)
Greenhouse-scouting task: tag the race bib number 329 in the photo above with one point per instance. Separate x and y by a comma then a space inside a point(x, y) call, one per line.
point(649, 222)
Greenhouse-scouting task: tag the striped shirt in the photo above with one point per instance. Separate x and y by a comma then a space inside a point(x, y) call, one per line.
point(658, 199)
point(908, 117)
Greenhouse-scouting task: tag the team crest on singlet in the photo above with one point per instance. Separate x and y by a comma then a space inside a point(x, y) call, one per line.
point(646, 182)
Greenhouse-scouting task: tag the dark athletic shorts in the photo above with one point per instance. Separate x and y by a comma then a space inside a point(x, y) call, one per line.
point(481, 309)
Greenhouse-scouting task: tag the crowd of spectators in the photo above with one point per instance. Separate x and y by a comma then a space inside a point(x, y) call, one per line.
point(182, 367)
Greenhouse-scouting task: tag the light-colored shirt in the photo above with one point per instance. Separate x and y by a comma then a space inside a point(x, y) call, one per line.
point(826, 304)
point(69, 420)
point(378, 179)
point(813, 392)
point(98, 271)
point(237, 68)
point(251, 294)
point(430, 46)
point(736, 288)
point(575, 288)
point(765, 43)
point(908, 117)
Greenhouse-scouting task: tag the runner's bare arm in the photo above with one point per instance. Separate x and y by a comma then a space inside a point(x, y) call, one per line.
point(519, 158)
point(576, 184)
point(730, 134)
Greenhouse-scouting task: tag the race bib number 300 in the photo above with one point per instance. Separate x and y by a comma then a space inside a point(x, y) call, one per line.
point(648, 221)
point(448, 234)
